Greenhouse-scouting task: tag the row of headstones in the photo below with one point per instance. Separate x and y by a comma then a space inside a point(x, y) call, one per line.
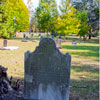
point(58, 43)
point(26, 37)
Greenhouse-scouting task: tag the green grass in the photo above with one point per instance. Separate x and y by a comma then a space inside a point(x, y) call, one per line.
point(84, 68)
point(84, 71)
point(83, 50)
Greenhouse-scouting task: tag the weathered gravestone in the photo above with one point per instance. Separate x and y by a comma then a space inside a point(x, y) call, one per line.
point(24, 35)
point(26, 39)
point(32, 35)
point(6, 47)
point(5, 43)
point(74, 43)
point(47, 73)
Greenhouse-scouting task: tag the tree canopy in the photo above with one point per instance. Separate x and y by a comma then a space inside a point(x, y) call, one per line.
point(84, 25)
point(92, 8)
point(14, 9)
point(68, 22)
point(80, 16)
point(46, 15)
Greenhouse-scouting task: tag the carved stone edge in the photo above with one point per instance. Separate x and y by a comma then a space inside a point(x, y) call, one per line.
point(27, 54)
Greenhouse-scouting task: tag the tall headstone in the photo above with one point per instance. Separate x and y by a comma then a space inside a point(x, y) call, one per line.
point(47, 72)
point(32, 35)
point(5, 43)
point(24, 35)
point(58, 43)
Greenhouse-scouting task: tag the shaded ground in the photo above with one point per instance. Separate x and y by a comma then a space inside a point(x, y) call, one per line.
point(84, 70)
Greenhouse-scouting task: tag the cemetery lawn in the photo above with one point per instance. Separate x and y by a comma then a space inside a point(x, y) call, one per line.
point(84, 83)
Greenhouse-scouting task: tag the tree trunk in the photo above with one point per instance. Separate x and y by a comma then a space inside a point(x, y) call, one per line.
point(89, 36)
point(64, 37)
point(47, 33)
point(10, 34)
point(80, 37)
point(84, 38)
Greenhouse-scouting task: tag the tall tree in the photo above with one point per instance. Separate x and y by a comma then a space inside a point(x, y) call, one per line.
point(30, 8)
point(46, 15)
point(43, 16)
point(65, 6)
point(84, 25)
point(15, 9)
point(2, 18)
point(54, 15)
point(68, 22)
point(92, 7)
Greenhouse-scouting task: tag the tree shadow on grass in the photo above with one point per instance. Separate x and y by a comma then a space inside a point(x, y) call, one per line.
point(81, 47)
point(84, 88)
point(93, 50)
point(85, 68)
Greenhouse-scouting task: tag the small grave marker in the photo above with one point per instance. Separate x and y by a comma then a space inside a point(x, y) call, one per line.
point(5, 43)
point(74, 43)
point(24, 35)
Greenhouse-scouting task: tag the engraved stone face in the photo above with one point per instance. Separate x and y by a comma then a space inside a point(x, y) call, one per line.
point(46, 65)
point(5, 43)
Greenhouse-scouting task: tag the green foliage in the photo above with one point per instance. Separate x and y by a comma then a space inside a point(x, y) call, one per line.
point(17, 9)
point(3, 31)
point(65, 6)
point(54, 15)
point(6, 31)
point(92, 8)
point(46, 15)
point(68, 22)
point(43, 16)
point(84, 27)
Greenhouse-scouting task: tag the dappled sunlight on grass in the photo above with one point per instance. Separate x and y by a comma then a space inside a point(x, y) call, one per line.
point(82, 50)
point(14, 60)
point(85, 88)
point(84, 72)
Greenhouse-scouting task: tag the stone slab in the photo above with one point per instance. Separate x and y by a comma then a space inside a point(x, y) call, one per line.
point(49, 67)
point(9, 48)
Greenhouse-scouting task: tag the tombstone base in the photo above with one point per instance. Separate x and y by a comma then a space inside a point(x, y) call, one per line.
point(25, 40)
point(9, 48)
